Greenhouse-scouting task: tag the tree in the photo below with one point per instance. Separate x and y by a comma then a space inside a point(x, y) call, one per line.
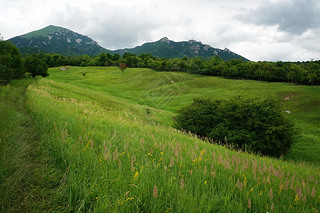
point(253, 125)
point(35, 66)
point(122, 66)
point(10, 62)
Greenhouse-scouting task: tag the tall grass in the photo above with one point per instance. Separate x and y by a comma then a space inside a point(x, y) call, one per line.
point(170, 91)
point(119, 155)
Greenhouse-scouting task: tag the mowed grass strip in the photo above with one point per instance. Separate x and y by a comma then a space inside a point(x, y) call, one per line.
point(28, 181)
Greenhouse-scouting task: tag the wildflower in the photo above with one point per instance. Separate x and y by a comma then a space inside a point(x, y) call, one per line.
point(130, 198)
point(245, 181)
point(205, 182)
point(281, 186)
point(155, 191)
point(135, 177)
point(97, 198)
point(296, 200)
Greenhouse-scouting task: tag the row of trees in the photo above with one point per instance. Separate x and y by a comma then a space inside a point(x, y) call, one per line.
point(13, 66)
point(307, 73)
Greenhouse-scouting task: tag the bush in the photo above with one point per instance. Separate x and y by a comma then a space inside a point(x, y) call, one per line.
point(252, 125)
point(35, 66)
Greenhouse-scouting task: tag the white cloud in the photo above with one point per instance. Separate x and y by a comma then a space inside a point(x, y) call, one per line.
point(258, 30)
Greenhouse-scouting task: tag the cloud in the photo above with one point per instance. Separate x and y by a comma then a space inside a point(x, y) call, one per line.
point(294, 16)
point(112, 26)
point(256, 29)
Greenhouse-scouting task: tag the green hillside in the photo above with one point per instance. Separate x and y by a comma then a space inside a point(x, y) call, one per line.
point(171, 90)
point(44, 32)
point(108, 138)
point(53, 39)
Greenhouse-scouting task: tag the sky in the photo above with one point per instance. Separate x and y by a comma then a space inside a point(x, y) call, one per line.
point(260, 30)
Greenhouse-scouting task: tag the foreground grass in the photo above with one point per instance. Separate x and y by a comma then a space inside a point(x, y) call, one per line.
point(120, 155)
point(170, 91)
point(28, 182)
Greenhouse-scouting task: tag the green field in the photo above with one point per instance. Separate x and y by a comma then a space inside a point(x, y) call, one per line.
point(171, 90)
point(108, 142)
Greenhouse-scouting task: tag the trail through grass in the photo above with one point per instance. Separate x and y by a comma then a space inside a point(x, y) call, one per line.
point(105, 143)
point(28, 182)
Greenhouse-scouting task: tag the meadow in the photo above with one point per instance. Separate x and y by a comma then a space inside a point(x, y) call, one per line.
point(169, 91)
point(109, 139)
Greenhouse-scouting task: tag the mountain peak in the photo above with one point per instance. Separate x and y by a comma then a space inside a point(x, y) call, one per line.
point(165, 40)
point(54, 39)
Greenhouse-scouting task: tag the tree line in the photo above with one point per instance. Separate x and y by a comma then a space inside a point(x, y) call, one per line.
point(12, 65)
point(307, 73)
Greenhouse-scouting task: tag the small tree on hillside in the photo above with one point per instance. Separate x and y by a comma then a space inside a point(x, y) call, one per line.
point(122, 66)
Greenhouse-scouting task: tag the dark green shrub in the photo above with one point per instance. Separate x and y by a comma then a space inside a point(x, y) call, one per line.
point(252, 125)
point(35, 66)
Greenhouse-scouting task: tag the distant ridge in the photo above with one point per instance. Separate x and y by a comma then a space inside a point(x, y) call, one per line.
point(54, 39)
point(166, 48)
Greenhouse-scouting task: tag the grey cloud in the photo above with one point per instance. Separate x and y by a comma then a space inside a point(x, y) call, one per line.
point(112, 26)
point(294, 17)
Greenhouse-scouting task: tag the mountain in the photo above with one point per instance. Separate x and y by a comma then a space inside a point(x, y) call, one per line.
point(165, 48)
point(53, 39)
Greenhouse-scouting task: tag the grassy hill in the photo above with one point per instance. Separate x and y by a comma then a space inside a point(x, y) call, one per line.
point(110, 133)
point(171, 90)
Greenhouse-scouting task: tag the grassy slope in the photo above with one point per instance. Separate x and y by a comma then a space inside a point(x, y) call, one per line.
point(119, 156)
point(169, 91)
point(116, 153)
point(28, 182)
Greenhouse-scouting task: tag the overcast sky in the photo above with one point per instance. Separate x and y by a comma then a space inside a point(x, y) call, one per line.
point(287, 30)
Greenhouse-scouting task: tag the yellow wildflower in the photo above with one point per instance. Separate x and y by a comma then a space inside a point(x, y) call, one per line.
point(135, 177)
